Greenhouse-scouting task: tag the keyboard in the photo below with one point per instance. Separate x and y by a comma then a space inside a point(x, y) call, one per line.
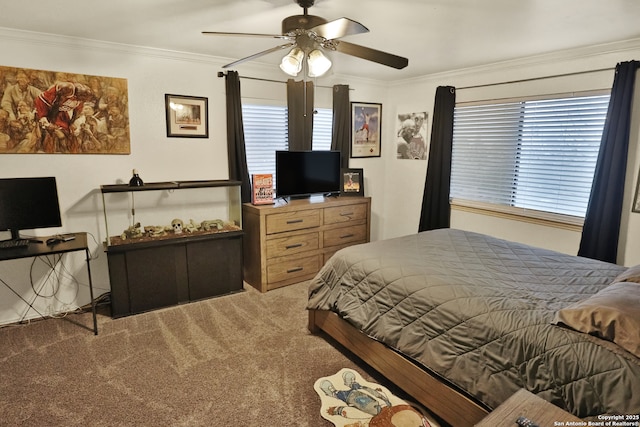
point(15, 243)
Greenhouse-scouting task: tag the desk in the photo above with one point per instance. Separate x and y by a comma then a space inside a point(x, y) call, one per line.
point(40, 248)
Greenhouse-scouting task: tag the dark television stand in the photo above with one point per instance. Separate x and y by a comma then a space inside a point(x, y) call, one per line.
point(38, 247)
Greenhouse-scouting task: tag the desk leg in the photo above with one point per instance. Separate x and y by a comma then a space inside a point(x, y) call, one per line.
point(93, 302)
point(29, 304)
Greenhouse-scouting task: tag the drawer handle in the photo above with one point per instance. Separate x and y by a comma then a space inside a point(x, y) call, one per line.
point(294, 221)
point(297, 245)
point(293, 270)
point(346, 214)
point(345, 236)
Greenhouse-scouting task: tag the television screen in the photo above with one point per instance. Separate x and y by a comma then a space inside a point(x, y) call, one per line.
point(304, 173)
point(28, 203)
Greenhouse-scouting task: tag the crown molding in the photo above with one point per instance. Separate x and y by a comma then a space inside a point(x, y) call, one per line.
point(55, 40)
point(45, 39)
point(631, 46)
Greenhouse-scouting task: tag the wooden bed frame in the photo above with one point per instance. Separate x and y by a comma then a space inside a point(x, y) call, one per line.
point(447, 403)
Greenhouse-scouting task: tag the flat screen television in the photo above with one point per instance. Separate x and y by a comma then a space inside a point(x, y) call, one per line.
point(28, 203)
point(306, 173)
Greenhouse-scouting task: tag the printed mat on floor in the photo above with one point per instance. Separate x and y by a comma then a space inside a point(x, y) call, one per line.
point(350, 401)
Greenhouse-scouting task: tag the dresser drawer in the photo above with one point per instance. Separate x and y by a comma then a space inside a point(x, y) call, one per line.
point(293, 268)
point(344, 235)
point(289, 221)
point(347, 213)
point(284, 246)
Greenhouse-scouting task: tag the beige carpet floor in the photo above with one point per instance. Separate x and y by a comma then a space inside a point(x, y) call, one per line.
point(240, 360)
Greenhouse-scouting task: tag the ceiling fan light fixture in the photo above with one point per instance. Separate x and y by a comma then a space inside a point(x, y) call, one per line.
point(292, 62)
point(318, 63)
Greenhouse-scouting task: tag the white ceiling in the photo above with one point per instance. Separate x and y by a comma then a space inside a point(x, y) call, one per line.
point(436, 35)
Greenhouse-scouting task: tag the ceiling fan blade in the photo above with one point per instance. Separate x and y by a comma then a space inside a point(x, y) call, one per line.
point(259, 54)
point(273, 36)
point(369, 54)
point(339, 28)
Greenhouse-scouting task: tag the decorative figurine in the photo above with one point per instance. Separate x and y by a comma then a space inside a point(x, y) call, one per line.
point(133, 232)
point(208, 225)
point(191, 227)
point(177, 226)
point(154, 230)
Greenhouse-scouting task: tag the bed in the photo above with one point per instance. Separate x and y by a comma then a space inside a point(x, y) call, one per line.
point(461, 321)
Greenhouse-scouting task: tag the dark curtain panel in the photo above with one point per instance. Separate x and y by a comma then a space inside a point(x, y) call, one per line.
point(236, 150)
point(435, 201)
point(601, 229)
point(341, 132)
point(300, 111)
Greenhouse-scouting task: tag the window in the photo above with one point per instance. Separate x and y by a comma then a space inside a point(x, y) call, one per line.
point(266, 131)
point(535, 154)
point(322, 128)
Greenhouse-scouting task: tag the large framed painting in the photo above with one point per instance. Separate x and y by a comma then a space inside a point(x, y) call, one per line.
point(50, 112)
point(366, 121)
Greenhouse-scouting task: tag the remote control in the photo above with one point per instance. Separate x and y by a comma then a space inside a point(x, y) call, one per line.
point(525, 422)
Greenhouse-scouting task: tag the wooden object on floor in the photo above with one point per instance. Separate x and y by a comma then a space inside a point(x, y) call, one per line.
point(288, 243)
point(526, 404)
point(450, 405)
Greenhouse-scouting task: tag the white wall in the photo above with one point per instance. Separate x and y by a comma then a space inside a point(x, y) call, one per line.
point(395, 186)
point(150, 75)
point(404, 191)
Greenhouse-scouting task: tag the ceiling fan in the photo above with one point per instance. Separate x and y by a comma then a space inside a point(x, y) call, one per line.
point(308, 35)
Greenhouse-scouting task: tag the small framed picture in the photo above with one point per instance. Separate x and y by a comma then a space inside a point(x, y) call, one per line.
point(352, 182)
point(366, 124)
point(636, 199)
point(187, 116)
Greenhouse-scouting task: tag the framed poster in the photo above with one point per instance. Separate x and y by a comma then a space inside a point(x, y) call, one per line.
point(351, 182)
point(187, 116)
point(365, 129)
point(411, 133)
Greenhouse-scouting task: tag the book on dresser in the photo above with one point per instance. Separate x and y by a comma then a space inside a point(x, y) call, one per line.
point(262, 189)
point(288, 242)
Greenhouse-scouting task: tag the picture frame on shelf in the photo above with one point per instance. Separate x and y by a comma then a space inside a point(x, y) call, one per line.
point(366, 129)
point(187, 116)
point(352, 182)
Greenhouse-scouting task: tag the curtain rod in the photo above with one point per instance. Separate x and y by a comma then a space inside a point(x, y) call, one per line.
point(222, 74)
point(536, 78)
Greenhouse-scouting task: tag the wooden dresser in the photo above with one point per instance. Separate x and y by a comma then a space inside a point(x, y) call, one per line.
point(287, 243)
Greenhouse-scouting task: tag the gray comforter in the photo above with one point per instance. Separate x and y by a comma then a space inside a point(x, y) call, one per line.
point(477, 311)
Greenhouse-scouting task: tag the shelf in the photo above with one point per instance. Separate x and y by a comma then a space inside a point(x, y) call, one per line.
point(169, 185)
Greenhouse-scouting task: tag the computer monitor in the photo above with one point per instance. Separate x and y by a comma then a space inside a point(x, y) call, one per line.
point(28, 203)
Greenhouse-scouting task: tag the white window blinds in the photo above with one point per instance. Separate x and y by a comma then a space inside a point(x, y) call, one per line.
point(266, 131)
point(322, 127)
point(529, 154)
